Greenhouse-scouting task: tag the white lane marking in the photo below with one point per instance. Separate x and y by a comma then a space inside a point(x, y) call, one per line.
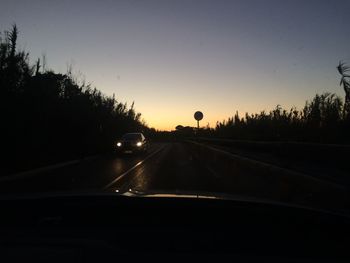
point(132, 168)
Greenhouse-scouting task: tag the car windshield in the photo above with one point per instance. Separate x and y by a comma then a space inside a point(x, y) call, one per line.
point(132, 136)
point(245, 98)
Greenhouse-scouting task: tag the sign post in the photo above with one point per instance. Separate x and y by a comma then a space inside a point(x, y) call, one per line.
point(198, 115)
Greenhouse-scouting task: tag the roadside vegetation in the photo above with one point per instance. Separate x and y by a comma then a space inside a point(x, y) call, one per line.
point(49, 117)
point(324, 119)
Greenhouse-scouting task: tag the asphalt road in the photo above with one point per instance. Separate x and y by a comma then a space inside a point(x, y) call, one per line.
point(167, 168)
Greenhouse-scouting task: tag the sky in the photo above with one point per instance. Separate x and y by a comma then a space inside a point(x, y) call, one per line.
point(173, 58)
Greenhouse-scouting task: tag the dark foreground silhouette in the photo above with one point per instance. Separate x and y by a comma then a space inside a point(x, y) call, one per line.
point(49, 117)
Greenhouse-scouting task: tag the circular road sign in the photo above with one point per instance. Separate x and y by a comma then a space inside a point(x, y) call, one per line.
point(198, 115)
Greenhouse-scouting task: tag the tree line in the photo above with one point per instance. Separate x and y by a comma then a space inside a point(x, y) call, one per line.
point(324, 119)
point(51, 116)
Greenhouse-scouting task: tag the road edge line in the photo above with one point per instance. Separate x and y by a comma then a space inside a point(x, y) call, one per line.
point(37, 171)
point(267, 165)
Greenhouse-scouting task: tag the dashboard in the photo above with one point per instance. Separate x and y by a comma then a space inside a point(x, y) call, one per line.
point(105, 227)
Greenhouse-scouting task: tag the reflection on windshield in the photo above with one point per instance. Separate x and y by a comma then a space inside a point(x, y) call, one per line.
point(132, 136)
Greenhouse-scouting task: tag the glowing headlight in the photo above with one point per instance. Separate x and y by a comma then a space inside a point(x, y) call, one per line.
point(139, 144)
point(119, 144)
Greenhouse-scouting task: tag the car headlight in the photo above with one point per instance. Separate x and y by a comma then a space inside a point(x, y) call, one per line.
point(119, 144)
point(139, 144)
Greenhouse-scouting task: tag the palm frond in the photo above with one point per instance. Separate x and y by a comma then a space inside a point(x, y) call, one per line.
point(342, 68)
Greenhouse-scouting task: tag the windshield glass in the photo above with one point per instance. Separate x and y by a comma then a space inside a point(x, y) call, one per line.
point(132, 136)
point(246, 99)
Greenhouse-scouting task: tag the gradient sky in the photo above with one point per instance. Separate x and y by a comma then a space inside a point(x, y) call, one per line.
point(175, 57)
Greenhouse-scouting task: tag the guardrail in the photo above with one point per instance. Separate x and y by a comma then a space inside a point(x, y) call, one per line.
point(321, 160)
point(247, 176)
point(283, 147)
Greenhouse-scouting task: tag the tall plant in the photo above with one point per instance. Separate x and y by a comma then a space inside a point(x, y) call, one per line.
point(343, 69)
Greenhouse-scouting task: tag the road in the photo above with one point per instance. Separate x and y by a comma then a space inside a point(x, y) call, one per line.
point(166, 167)
point(170, 167)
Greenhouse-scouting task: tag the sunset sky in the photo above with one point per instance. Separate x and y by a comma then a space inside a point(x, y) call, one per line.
point(175, 57)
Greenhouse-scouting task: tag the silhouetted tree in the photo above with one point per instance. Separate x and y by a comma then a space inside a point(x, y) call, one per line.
point(48, 116)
